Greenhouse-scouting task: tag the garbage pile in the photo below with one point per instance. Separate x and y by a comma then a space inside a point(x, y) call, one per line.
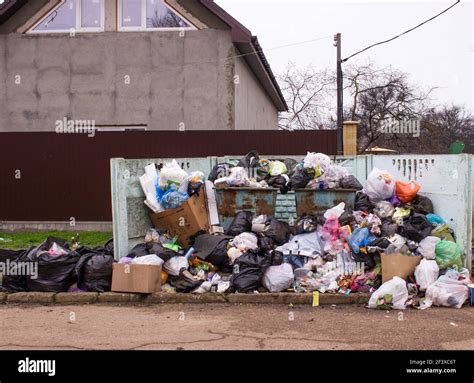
point(316, 171)
point(345, 249)
point(55, 267)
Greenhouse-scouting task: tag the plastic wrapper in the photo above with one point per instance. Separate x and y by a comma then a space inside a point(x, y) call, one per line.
point(277, 168)
point(245, 242)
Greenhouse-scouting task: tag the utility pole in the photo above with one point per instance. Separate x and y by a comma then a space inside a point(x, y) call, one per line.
point(337, 44)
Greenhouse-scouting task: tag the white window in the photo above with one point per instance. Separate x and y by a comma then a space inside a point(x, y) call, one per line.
point(73, 15)
point(149, 15)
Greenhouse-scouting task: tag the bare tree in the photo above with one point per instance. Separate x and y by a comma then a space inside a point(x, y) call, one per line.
point(376, 96)
point(445, 125)
point(309, 93)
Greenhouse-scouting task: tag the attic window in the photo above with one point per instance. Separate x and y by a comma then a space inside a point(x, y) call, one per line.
point(73, 15)
point(149, 15)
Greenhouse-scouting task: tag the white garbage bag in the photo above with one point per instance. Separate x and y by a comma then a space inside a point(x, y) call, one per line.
point(174, 265)
point(278, 278)
point(151, 259)
point(171, 173)
point(450, 290)
point(315, 160)
point(394, 290)
point(335, 211)
point(379, 185)
point(245, 241)
point(426, 273)
point(427, 247)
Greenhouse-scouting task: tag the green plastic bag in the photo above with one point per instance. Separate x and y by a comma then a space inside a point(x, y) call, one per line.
point(448, 254)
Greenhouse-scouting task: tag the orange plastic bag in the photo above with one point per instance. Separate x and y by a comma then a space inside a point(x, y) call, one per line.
point(406, 191)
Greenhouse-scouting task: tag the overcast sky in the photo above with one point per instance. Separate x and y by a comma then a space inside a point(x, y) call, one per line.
point(439, 53)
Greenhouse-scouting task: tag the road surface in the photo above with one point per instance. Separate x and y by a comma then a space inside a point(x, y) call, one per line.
point(224, 326)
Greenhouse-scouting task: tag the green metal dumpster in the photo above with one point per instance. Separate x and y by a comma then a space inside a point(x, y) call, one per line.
point(232, 200)
point(311, 201)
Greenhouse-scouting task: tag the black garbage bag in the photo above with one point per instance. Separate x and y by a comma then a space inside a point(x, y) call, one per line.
point(93, 272)
point(279, 231)
point(362, 203)
point(6, 254)
point(15, 283)
point(422, 205)
point(308, 223)
point(381, 242)
point(241, 223)
point(250, 160)
point(183, 284)
point(55, 272)
point(219, 171)
point(369, 260)
point(350, 182)
point(266, 243)
point(277, 258)
point(300, 178)
point(415, 227)
point(109, 246)
point(388, 228)
point(219, 257)
point(248, 271)
point(290, 164)
point(162, 252)
point(347, 218)
point(194, 188)
point(276, 181)
point(138, 251)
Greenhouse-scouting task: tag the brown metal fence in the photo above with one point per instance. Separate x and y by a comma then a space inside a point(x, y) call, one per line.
point(46, 176)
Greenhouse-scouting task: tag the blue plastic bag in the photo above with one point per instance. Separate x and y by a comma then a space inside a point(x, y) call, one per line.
point(360, 238)
point(435, 219)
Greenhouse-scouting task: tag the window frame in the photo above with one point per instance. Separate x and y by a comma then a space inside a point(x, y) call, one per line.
point(78, 28)
point(143, 27)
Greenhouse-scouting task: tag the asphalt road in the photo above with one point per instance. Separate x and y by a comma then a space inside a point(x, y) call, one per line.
point(223, 326)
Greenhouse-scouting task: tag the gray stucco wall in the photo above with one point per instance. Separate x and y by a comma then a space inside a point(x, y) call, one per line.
point(253, 108)
point(173, 80)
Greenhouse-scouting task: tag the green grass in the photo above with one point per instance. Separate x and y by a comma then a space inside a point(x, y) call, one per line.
point(26, 240)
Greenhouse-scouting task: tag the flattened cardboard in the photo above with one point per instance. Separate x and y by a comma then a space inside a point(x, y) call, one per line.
point(184, 221)
point(130, 278)
point(398, 265)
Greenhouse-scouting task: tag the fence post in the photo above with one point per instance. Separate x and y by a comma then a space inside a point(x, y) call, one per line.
point(350, 137)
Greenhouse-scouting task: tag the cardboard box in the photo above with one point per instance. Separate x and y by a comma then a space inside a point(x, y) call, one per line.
point(184, 221)
point(398, 265)
point(136, 278)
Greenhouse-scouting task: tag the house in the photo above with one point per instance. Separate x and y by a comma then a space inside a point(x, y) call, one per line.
point(132, 64)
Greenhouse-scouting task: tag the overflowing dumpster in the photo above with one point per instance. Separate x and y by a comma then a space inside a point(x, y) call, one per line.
point(258, 201)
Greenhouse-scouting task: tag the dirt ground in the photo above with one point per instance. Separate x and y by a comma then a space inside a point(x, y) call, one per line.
point(223, 326)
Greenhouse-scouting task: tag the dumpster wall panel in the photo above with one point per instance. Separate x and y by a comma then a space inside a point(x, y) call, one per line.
point(447, 181)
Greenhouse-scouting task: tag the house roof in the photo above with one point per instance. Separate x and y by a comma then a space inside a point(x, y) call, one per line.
point(246, 43)
point(252, 52)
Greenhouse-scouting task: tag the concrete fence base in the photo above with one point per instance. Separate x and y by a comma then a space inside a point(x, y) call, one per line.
point(163, 298)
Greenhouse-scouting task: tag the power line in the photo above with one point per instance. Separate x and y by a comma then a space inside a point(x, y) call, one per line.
point(401, 34)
